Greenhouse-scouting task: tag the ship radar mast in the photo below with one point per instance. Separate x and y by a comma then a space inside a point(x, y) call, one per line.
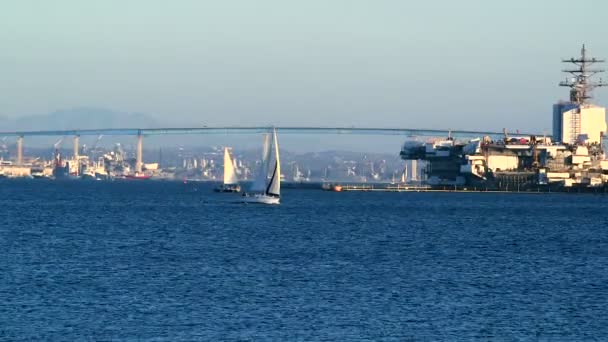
point(580, 84)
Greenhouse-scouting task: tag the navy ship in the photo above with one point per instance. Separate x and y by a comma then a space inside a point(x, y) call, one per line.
point(573, 157)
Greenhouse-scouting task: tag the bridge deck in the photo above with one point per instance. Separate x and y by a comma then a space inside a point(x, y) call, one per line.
point(256, 130)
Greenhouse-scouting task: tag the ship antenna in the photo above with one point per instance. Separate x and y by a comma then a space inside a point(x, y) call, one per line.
point(581, 85)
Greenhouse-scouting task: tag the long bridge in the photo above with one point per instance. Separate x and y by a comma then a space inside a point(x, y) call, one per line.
point(252, 130)
point(141, 132)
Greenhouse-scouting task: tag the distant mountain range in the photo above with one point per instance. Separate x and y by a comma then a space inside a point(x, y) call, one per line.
point(79, 118)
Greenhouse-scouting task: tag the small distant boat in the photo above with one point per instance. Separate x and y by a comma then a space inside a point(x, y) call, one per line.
point(265, 190)
point(102, 175)
point(90, 174)
point(331, 187)
point(137, 176)
point(37, 172)
point(61, 169)
point(231, 181)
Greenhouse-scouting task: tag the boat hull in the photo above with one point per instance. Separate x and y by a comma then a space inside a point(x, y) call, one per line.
point(228, 188)
point(260, 199)
point(137, 177)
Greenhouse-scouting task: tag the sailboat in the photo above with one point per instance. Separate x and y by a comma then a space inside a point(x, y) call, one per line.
point(231, 182)
point(265, 189)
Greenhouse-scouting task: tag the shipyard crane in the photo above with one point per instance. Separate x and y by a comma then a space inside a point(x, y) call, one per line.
point(57, 144)
point(56, 147)
point(94, 146)
point(4, 147)
point(97, 142)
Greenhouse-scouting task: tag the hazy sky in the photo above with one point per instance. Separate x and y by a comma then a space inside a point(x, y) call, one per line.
point(474, 64)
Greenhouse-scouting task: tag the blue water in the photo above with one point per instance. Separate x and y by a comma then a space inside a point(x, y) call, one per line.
point(168, 261)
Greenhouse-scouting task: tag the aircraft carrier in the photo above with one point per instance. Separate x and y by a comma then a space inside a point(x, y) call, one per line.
point(572, 158)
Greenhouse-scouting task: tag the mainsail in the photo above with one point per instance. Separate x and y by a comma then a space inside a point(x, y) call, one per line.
point(274, 186)
point(230, 177)
point(259, 183)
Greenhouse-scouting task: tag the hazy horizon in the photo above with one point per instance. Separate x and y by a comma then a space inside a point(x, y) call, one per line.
point(467, 65)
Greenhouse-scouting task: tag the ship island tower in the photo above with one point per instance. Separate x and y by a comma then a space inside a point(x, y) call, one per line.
point(577, 121)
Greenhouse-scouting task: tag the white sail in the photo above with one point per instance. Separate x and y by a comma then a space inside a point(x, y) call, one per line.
point(274, 186)
point(259, 183)
point(230, 177)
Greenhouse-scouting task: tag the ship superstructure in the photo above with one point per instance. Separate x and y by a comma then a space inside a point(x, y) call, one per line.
point(578, 120)
point(572, 157)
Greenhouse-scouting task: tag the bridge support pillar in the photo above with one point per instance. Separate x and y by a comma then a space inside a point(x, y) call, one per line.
point(140, 150)
point(20, 150)
point(76, 147)
point(414, 172)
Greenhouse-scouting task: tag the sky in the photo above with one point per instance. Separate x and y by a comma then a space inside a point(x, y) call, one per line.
point(468, 64)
